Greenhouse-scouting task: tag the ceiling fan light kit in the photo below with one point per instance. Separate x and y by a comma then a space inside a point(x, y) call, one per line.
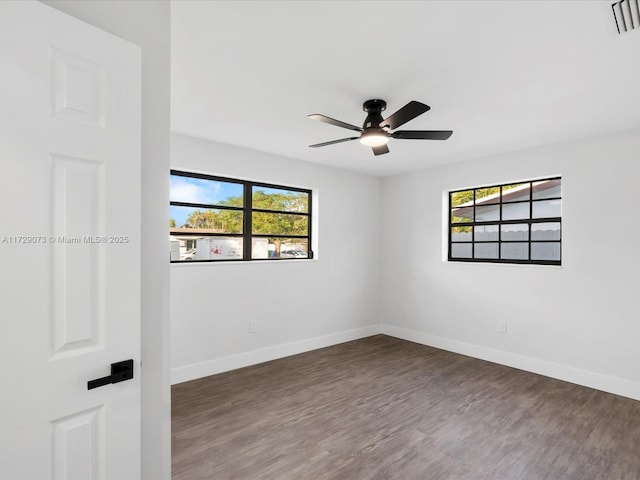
point(376, 131)
point(373, 138)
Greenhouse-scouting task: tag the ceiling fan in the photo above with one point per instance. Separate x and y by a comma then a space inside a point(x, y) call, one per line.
point(376, 131)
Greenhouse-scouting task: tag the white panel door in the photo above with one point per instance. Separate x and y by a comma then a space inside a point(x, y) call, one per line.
point(69, 247)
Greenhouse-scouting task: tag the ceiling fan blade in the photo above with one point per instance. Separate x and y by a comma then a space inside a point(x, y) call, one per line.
point(422, 134)
point(324, 144)
point(333, 121)
point(381, 150)
point(410, 111)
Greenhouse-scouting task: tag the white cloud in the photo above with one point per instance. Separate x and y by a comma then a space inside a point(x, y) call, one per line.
point(194, 190)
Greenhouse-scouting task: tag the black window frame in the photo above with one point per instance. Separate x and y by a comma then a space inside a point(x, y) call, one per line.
point(530, 221)
point(247, 209)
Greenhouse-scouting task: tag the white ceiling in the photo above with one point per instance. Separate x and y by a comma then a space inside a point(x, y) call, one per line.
point(503, 75)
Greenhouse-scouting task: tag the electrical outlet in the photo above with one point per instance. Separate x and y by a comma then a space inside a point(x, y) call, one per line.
point(252, 326)
point(502, 326)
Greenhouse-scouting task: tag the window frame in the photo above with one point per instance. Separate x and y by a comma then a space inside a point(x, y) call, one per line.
point(247, 210)
point(530, 221)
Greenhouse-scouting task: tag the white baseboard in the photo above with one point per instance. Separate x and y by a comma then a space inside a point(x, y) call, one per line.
point(224, 364)
point(618, 386)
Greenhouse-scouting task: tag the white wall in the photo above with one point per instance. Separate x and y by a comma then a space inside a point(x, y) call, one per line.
point(578, 322)
point(146, 23)
point(297, 305)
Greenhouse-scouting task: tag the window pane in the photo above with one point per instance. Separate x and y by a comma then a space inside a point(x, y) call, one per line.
point(514, 251)
point(219, 248)
point(460, 198)
point(545, 231)
point(547, 208)
point(183, 247)
point(515, 211)
point(516, 231)
point(294, 248)
point(487, 214)
point(461, 250)
point(199, 190)
point(204, 220)
point(486, 250)
point(486, 232)
point(485, 196)
point(279, 224)
point(547, 189)
point(459, 234)
point(516, 192)
point(281, 200)
point(462, 215)
point(545, 251)
point(188, 249)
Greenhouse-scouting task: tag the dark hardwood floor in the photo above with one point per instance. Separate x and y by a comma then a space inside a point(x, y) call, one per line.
point(383, 408)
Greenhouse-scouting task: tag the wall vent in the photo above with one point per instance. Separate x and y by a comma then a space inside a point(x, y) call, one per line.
point(626, 13)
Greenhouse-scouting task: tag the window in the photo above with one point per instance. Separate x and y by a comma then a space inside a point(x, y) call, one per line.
point(224, 219)
point(515, 223)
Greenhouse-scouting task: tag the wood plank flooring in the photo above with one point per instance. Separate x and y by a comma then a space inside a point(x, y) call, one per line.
point(383, 408)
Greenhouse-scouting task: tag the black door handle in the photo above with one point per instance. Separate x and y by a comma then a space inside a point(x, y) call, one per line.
point(120, 371)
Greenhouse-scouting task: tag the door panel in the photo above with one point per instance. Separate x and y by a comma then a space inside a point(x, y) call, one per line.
point(69, 247)
point(78, 266)
point(79, 445)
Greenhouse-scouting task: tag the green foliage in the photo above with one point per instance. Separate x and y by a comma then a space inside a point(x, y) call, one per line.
point(223, 221)
point(287, 202)
point(172, 223)
point(459, 198)
point(279, 224)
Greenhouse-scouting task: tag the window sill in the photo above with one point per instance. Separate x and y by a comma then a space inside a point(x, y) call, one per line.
point(502, 264)
point(243, 262)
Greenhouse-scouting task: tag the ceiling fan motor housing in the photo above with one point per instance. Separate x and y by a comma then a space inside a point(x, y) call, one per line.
point(374, 108)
